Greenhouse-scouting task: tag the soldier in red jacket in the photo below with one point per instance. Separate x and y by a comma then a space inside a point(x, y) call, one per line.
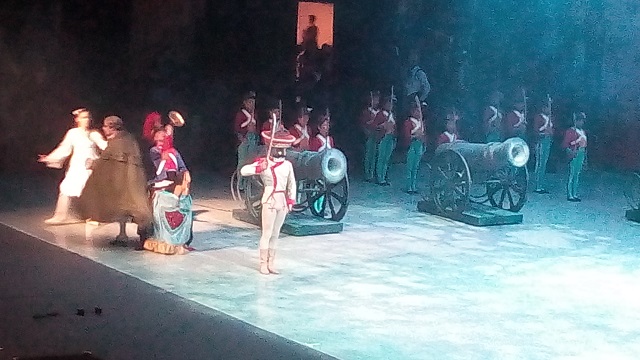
point(575, 145)
point(246, 128)
point(492, 117)
point(367, 117)
point(415, 141)
point(543, 127)
point(301, 130)
point(451, 133)
point(515, 123)
point(322, 140)
point(385, 125)
point(274, 112)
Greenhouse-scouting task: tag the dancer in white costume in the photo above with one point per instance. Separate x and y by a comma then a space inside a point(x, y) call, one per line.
point(81, 144)
point(279, 193)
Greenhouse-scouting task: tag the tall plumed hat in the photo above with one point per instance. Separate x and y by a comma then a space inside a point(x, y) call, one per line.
point(151, 124)
point(282, 139)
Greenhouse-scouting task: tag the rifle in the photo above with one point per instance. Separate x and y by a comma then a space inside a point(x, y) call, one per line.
point(524, 98)
point(253, 111)
point(421, 119)
point(392, 97)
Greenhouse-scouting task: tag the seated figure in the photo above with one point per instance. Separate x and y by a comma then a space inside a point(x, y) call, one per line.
point(171, 202)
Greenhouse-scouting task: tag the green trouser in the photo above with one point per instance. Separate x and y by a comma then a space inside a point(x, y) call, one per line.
point(542, 157)
point(247, 148)
point(414, 155)
point(370, 149)
point(385, 150)
point(575, 168)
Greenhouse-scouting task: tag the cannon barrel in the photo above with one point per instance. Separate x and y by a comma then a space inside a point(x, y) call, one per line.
point(485, 159)
point(323, 184)
point(329, 165)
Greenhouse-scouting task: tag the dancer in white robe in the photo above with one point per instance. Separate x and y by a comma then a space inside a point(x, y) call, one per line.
point(80, 144)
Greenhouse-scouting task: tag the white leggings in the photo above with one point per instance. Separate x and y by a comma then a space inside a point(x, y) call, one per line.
point(272, 220)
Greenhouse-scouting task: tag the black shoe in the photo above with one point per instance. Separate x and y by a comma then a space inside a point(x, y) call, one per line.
point(573, 199)
point(384, 184)
point(577, 199)
point(368, 180)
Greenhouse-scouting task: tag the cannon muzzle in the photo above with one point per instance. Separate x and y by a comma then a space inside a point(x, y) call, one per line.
point(516, 151)
point(329, 165)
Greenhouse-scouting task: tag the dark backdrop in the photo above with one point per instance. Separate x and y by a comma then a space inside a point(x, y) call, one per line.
point(197, 56)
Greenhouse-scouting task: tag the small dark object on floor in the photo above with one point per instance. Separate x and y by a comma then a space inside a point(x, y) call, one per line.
point(97, 310)
point(80, 312)
point(42, 316)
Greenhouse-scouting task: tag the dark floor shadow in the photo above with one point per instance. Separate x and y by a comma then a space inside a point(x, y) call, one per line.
point(198, 212)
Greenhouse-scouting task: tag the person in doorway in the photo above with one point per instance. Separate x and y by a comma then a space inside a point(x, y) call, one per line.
point(279, 194)
point(310, 34)
point(416, 83)
point(81, 145)
point(575, 145)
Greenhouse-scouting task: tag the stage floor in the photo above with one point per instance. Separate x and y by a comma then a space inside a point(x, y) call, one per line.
point(398, 284)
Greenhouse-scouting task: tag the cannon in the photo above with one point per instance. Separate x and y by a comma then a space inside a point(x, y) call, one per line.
point(493, 173)
point(632, 192)
point(322, 184)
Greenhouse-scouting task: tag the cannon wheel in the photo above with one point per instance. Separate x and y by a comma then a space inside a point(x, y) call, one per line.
point(253, 196)
point(234, 185)
point(509, 191)
point(332, 202)
point(450, 181)
point(304, 194)
point(632, 193)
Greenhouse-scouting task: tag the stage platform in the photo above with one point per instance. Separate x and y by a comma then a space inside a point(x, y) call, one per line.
point(399, 284)
point(476, 214)
point(633, 215)
point(296, 224)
